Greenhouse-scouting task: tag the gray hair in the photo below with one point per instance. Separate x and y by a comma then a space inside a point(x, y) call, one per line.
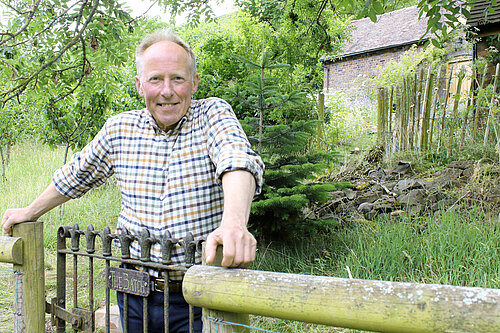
point(160, 36)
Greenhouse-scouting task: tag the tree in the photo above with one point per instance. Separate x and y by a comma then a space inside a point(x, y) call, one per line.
point(288, 188)
point(65, 57)
point(443, 16)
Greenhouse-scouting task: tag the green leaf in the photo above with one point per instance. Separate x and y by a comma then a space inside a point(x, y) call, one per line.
point(372, 15)
point(378, 7)
point(451, 17)
point(436, 43)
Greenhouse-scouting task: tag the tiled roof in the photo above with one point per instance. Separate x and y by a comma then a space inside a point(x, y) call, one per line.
point(400, 27)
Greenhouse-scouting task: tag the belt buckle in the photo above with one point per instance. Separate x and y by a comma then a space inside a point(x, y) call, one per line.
point(158, 284)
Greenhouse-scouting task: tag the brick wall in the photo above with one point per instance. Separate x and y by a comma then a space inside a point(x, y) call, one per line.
point(351, 73)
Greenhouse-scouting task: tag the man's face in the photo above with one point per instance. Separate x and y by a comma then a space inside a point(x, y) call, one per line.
point(166, 82)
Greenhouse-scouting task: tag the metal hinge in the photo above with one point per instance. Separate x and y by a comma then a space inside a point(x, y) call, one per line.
point(80, 319)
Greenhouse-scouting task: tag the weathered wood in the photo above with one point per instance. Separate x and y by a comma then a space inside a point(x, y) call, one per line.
point(426, 111)
point(454, 119)
point(381, 116)
point(435, 105)
point(214, 320)
point(361, 304)
point(470, 101)
point(490, 112)
point(30, 284)
point(11, 250)
point(445, 106)
point(477, 103)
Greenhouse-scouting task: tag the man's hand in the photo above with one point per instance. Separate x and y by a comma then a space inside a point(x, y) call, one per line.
point(14, 216)
point(239, 246)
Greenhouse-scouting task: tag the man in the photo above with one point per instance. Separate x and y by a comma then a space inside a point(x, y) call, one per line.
point(181, 165)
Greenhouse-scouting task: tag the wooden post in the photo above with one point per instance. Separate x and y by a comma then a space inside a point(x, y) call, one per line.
point(214, 321)
point(381, 116)
point(435, 105)
point(490, 112)
point(380, 306)
point(477, 104)
point(11, 250)
point(445, 106)
point(426, 111)
point(470, 101)
point(454, 118)
point(321, 118)
point(30, 283)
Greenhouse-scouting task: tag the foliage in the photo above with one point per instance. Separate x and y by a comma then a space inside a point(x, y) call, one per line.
point(444, 16)
point(408, 64)
point(288, 188)
point(493, 45)
point(65, 57)
point(75, 125)
point(345, 122)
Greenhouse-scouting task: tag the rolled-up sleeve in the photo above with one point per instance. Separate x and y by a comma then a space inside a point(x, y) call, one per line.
point(228, 145)
point(87, 169)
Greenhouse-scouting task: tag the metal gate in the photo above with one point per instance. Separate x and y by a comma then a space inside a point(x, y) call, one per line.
point(121, 272)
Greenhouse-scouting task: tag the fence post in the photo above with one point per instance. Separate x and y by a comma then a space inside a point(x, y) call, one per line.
point(215, 321)
point(321, 118)
point(30, 284)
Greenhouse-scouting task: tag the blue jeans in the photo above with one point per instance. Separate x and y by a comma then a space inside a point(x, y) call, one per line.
point(178, 313)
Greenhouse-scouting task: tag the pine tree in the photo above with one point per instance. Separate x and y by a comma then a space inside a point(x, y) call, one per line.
point(289, 188)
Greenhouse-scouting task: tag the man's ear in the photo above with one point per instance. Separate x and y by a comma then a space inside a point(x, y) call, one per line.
point(196, 80)
point(138, 86)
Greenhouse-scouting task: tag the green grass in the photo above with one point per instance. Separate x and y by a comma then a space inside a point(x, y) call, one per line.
point(456, 247)
point(28, 174)
point(459, 247)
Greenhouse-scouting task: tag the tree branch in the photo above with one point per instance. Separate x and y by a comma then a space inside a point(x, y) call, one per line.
point(31, 14)
point(17, 90)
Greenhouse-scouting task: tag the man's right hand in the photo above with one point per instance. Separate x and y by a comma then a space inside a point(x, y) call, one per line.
point(14, 216)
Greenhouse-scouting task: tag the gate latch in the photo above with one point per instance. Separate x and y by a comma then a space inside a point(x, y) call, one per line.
point(80, 319)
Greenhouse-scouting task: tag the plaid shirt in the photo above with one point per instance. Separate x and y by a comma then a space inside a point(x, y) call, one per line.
point(168, 180)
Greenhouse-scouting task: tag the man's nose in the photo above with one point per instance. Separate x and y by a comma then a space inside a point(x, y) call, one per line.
point(167, 88)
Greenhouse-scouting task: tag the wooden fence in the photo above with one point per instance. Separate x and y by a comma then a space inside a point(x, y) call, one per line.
point(380, 306)
point(420, 114)
point(25, 251)
point(229, 295)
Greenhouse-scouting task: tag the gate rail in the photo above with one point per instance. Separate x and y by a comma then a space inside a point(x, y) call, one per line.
point(229, 295)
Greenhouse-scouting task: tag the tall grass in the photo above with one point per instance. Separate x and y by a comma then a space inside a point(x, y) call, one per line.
point(452, 247)
point(30, 172)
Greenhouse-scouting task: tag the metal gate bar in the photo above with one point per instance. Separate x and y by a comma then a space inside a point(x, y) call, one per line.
point(84, 319)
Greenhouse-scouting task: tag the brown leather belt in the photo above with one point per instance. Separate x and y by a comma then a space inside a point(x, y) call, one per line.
point(159, 285)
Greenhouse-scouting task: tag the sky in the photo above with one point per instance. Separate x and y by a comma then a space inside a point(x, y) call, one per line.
point(138, 7)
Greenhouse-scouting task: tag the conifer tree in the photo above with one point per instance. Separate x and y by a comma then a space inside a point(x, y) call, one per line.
point(289, 188)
